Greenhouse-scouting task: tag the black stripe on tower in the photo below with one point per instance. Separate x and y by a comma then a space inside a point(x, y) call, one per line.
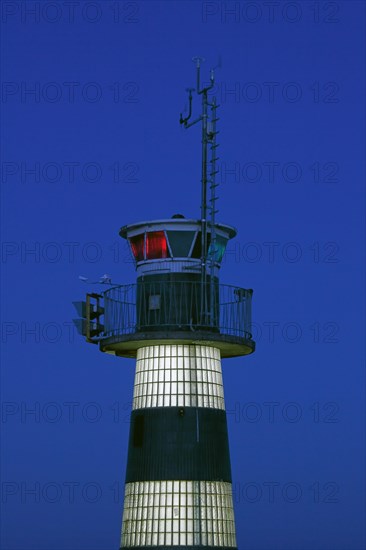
point(178, 443)
point(180, 297)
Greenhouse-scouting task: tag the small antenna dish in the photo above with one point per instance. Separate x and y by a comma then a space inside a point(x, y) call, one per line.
point(104, 280)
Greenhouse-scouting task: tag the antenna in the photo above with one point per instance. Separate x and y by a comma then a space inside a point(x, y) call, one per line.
point(208, 119)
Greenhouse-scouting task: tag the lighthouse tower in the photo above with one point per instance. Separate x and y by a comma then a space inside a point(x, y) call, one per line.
point(179, 322)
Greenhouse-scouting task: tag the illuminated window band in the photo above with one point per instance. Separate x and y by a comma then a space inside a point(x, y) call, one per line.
point(153, 245)
point(178, 376)
point(178, 513)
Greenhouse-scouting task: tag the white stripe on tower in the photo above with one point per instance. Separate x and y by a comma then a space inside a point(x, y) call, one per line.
point(178, 376)
point(178, 513)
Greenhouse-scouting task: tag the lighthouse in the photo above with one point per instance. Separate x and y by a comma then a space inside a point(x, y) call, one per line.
point(178, 321)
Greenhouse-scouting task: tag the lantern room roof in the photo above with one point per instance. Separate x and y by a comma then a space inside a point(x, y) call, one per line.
point(175, 224)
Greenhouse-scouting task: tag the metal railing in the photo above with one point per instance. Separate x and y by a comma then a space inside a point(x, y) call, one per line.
point(177, 306)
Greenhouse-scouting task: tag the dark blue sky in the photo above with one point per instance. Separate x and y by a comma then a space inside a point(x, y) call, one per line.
point(101, 134)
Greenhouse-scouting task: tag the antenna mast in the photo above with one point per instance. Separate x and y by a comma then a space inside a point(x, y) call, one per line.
point(208, 119)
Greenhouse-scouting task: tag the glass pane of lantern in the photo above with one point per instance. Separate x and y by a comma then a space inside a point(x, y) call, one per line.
point(180, 242)
point(156, 245)
point(219, 250)
point(197, 249)
point(137, 246)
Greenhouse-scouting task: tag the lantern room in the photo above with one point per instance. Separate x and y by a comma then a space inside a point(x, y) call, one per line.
point(175, 244)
